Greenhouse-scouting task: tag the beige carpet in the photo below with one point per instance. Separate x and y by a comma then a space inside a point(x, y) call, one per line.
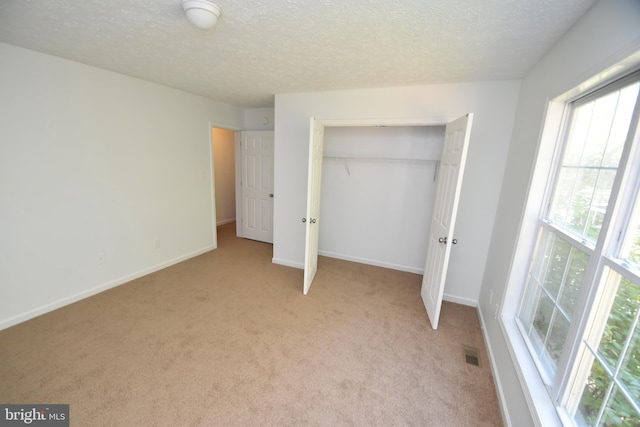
point(228, 339)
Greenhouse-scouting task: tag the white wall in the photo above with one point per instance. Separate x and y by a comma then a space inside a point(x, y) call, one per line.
point(93, 162)
point(607, 33)
point(223, 141)
point(377, 210)
point(258, 119)
point(493, 104)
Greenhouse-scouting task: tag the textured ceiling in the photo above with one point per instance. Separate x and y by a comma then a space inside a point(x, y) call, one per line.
point(263, 47)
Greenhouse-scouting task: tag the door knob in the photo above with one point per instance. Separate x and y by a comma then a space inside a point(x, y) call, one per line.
point(271, 195)
point(443, 240)
point(312, 220)
point(454, 241)
point(304, 219)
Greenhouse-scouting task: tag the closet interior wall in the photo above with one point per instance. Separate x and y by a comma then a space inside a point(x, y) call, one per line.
point(378, 191)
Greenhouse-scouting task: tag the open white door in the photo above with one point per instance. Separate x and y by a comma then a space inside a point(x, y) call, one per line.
point(452, 163)
point(257, 185)
point(316, 140)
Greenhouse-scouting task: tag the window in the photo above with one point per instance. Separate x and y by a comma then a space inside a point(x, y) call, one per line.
point(580, 310)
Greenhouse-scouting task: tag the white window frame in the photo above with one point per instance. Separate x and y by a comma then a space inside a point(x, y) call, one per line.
point(540, 396)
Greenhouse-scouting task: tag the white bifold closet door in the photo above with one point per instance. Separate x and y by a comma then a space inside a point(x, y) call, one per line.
point(443, 219)
point(316, 143)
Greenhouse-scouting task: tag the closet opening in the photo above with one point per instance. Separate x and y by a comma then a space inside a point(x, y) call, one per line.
point(377, 194)
point(441, 224)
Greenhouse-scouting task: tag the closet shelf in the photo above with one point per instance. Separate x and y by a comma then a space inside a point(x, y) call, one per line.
point(346, 161)
point(391, 159)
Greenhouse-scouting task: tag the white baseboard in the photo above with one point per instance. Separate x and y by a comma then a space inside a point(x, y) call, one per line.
point(494, 372)
point(225, 221)
point(287, 263)
point(376, 263)
point(6, 323)
point(460, 300)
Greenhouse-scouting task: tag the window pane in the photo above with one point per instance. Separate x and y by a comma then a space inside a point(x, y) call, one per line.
point(557, 266)
point(594, 393)
point(542, 317)
point(619, 347)
point(552, 291)
point(530, 304)
point(540, 262)
point(594, 146)
point(619, 412)
point(620, 126)
point(598, 207)
point(620, 321)
point(557, 336)
point(630, 370)
point(631, 246)
point(573, 283)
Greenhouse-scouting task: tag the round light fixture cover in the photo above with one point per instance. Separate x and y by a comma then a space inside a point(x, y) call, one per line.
point(202, 13)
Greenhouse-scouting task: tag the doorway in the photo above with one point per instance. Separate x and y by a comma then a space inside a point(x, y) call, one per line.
point(224, 175)
point(442, 223)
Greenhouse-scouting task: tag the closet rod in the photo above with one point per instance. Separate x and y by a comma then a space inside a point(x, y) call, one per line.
point(385, 159)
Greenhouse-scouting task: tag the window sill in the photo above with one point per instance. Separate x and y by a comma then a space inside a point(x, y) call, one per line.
point(543, 411)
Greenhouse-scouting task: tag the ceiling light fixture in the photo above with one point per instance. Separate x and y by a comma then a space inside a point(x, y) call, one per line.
point(201, 13)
